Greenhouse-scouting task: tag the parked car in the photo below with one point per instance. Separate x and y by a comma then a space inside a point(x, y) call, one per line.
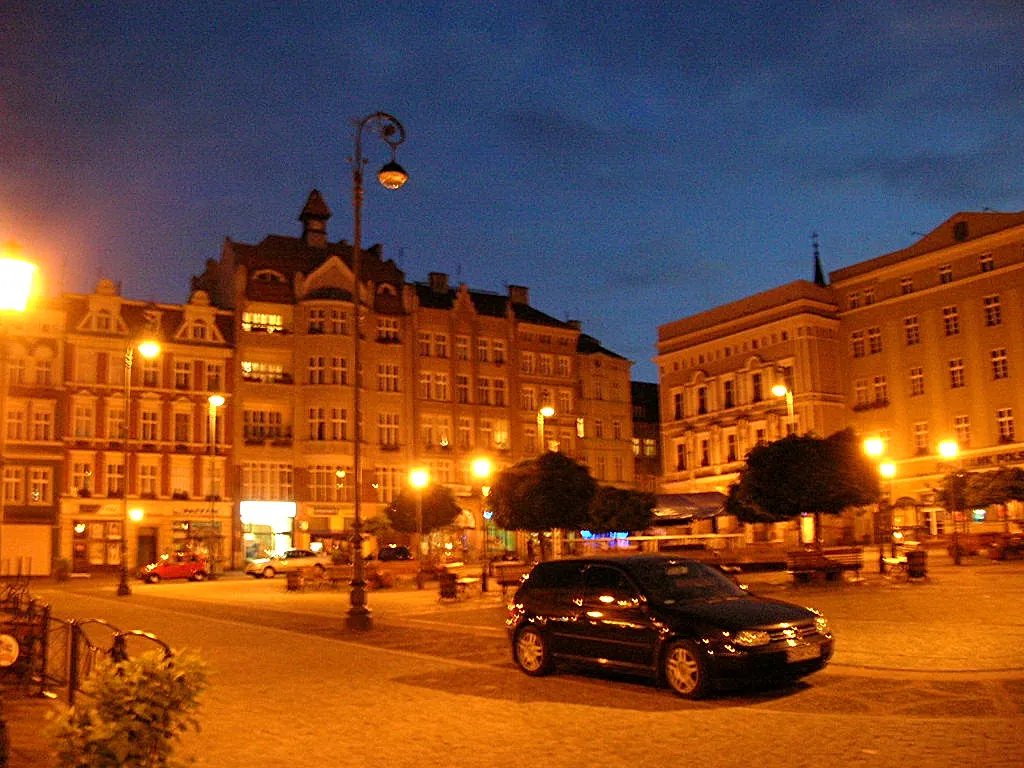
point(679, 621)
point(181, 565)
point(1010, 546)
point(393, 552)
point(289, 560)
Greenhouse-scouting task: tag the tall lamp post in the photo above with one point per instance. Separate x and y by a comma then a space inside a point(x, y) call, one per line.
point(16, 277)
point(544, 413)
point(419, 478)
point(392, 176)
point(481, 469)
point(215, 402)
point(148, 349)
point(949, 450)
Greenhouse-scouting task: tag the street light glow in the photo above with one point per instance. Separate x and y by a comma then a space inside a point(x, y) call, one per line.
point(873, 446)
point(481, 467)
point(780, 390)
point(948, 449)
point(887, 469)
point(419, 478)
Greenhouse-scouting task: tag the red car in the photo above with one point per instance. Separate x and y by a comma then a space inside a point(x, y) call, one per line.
point(182, 565)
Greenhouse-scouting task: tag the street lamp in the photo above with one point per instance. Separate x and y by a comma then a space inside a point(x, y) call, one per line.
point(419, 478)
point(148, 348)
point(215, 402)
point(949, 450)
point(16, 276)
point(481, 469)
point(781, 390)
point(392, 176)
point(544, 413)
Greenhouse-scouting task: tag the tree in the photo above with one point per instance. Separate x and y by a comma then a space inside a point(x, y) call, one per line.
point(985, 489)
point(802, 475)
point(616, 509)
point(439, 509)
point(550, 491)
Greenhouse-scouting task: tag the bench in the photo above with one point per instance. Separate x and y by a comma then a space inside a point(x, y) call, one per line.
point(454, 582)
point(509, 574)
point(331, 577)
point(823, 564)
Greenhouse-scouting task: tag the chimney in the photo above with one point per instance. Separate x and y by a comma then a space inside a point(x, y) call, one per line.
point(438, 282)
point(519, 294)
point(314, 218)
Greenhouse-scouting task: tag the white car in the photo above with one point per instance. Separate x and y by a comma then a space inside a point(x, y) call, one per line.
point(289, 560)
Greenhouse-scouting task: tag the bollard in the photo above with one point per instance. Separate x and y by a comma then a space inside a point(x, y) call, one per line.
point(483, 578)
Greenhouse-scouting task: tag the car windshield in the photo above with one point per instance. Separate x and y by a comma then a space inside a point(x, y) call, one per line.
point(676, 581)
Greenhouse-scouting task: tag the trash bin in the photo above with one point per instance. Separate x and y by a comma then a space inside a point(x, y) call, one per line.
point(448, 585)
point(917, 564)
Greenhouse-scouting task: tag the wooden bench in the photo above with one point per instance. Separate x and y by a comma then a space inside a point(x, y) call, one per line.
point(823, 564)
point(455, 582)
point(509, 574)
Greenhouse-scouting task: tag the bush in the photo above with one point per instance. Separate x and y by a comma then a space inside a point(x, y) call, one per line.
point(130, 714)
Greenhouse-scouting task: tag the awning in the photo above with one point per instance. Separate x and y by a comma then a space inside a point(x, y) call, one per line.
point(682, 508)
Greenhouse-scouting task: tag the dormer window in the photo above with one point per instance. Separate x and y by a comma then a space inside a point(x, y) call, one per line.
point(267, 276)
point(386, 289)
point(199, 331)
point(102, 321)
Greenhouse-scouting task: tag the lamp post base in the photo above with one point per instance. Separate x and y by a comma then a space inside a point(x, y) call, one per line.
point(123, 590)
point(359, 620)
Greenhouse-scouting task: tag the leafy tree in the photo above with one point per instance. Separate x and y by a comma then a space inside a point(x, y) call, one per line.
point(550, 491)
point(804, 474)
point(997, 487)
point(616, 509)
point(439, 508)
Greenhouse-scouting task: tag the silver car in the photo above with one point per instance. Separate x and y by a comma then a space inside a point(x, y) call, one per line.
point(289, 560)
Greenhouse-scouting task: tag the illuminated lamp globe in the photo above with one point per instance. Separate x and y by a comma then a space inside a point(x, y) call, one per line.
point(392, 175)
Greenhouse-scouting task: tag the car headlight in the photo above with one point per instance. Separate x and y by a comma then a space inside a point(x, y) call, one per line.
point(821, 624)
point(752, 637)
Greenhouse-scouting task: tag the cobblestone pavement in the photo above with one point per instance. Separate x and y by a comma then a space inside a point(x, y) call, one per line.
point(945, 651)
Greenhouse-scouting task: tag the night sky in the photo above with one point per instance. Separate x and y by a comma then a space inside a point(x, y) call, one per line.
point(632, 163)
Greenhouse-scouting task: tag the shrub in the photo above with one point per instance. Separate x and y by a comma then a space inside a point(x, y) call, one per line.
point(131, 713)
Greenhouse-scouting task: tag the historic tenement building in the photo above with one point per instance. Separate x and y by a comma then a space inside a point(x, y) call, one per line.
point(448, 375)
point(915, 347)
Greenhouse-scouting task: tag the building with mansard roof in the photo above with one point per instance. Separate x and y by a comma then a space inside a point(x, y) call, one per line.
point(448, 375)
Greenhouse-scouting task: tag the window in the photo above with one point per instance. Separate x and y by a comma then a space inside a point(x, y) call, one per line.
point(650, 447)
point(42, 425)
point(387, 377)
point(83, 420)
point(951, 320)
point(732, 448)
point(869, 296)
point(677, 405)
point(499, 351)
point(317, 370)
point(857, 339)
point(921, 437)
point(945, 274)
point(680, 457)
point(705, 453)
point(911, 330)
point(267, 481)
point(388, 329)
point(150, 372)
point(40, 485)
point(957, 378)
point(483, 390)
point(993, 312)
point(756, 388)
point(986, 262)
point(15, 422)
point(465, 433)
point(339, 370)
point(14, 484)
point(881, 390)
point(330, 483)
point(339, 424)
point(546, 366)
point(906, 285)
point(214, 377)
point(730, 394)
point(702, 400)
point(316, 321)
point(150, 424)
point(874, 340)
point(440, 345)
point(262, 424)
point(962, 426)
point(1000, 364)
point(564, 401)
point(599, 428)
point(527, 362)
point(462, 389)
point(262, 322)
point(182, 428)
point(855, 300)
point(267, 373)
point(499, 392)
point(423, 343)
point(44, 372)
point(1004, 420)
point(483, 350)
point(317, 424)
point(916, 381)
point(462, 347)
point(81, 476)
point(860, 390)
point(441, 388)
point(387, 426)
point(562, 366)
point(115, 477)
point(388, 482)
point(426, 380)
point(339, 322)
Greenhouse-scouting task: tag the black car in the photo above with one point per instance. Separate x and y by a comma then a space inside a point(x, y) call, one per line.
point(683, 622)
point(393, 552)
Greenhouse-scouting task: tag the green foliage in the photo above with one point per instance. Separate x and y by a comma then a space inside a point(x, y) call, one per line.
point(130, 714)
point(803, 474)
point(440, 508)
point(999, 486)
point(550, 491)
point(616, 509)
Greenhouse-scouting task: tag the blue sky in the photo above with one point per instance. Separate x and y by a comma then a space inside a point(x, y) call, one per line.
point(632, 163)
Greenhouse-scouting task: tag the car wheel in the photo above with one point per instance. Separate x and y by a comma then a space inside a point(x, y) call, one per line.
point(532, 653)
point(268, 572)
point(153, 578)
point(199, 576)
point(684, 670)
